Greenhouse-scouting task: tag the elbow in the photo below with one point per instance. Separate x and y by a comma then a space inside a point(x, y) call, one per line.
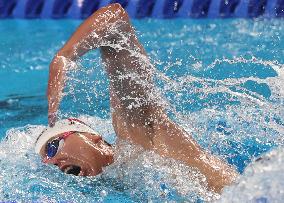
point(116, 7)
point(117, 10)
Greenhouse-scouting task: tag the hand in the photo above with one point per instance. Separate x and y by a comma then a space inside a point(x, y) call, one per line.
point(52, 118)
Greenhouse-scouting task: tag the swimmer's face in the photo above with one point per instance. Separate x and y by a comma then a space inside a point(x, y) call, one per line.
point(80, 154)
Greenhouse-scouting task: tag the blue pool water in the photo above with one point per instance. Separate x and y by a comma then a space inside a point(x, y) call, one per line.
point(222, 80)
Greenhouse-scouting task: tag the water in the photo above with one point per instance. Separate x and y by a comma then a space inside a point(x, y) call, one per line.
point(222, 80)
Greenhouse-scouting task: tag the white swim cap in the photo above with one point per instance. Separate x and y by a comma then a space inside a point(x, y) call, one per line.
point(62, 126)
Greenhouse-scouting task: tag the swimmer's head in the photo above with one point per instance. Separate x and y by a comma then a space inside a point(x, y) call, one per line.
point(75, 148)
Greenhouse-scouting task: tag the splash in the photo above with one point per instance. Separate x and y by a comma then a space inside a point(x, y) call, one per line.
point(227, 95)
point(236, 116)
point(262, 181)
point(136, 175)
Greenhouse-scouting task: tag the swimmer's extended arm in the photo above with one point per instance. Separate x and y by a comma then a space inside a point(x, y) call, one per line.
point(137, 116)
point(172, 141)
point(90, 35)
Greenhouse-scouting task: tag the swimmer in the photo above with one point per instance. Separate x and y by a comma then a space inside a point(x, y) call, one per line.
point(75, 148)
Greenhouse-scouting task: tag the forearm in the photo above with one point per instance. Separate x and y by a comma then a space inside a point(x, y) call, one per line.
point(56, 82)
point(217, 172)
point(173, 142)
point(90, 35)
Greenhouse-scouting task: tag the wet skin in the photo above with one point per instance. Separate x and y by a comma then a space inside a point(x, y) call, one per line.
point(81, 154)
point(146, 124)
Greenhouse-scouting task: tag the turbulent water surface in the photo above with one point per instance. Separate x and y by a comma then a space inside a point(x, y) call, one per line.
point(222, 80)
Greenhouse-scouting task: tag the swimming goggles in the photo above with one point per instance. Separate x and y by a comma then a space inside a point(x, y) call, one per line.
point(61, 127)
point(53, 146)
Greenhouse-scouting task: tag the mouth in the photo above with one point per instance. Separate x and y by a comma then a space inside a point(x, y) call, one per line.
point(72, 169)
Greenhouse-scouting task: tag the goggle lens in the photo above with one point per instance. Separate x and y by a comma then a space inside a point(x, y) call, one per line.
point(52, 148)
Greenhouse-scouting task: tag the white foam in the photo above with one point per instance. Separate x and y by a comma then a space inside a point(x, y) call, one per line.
point(262, 181)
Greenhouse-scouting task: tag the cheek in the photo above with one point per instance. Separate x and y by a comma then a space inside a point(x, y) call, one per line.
point(78, 149)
